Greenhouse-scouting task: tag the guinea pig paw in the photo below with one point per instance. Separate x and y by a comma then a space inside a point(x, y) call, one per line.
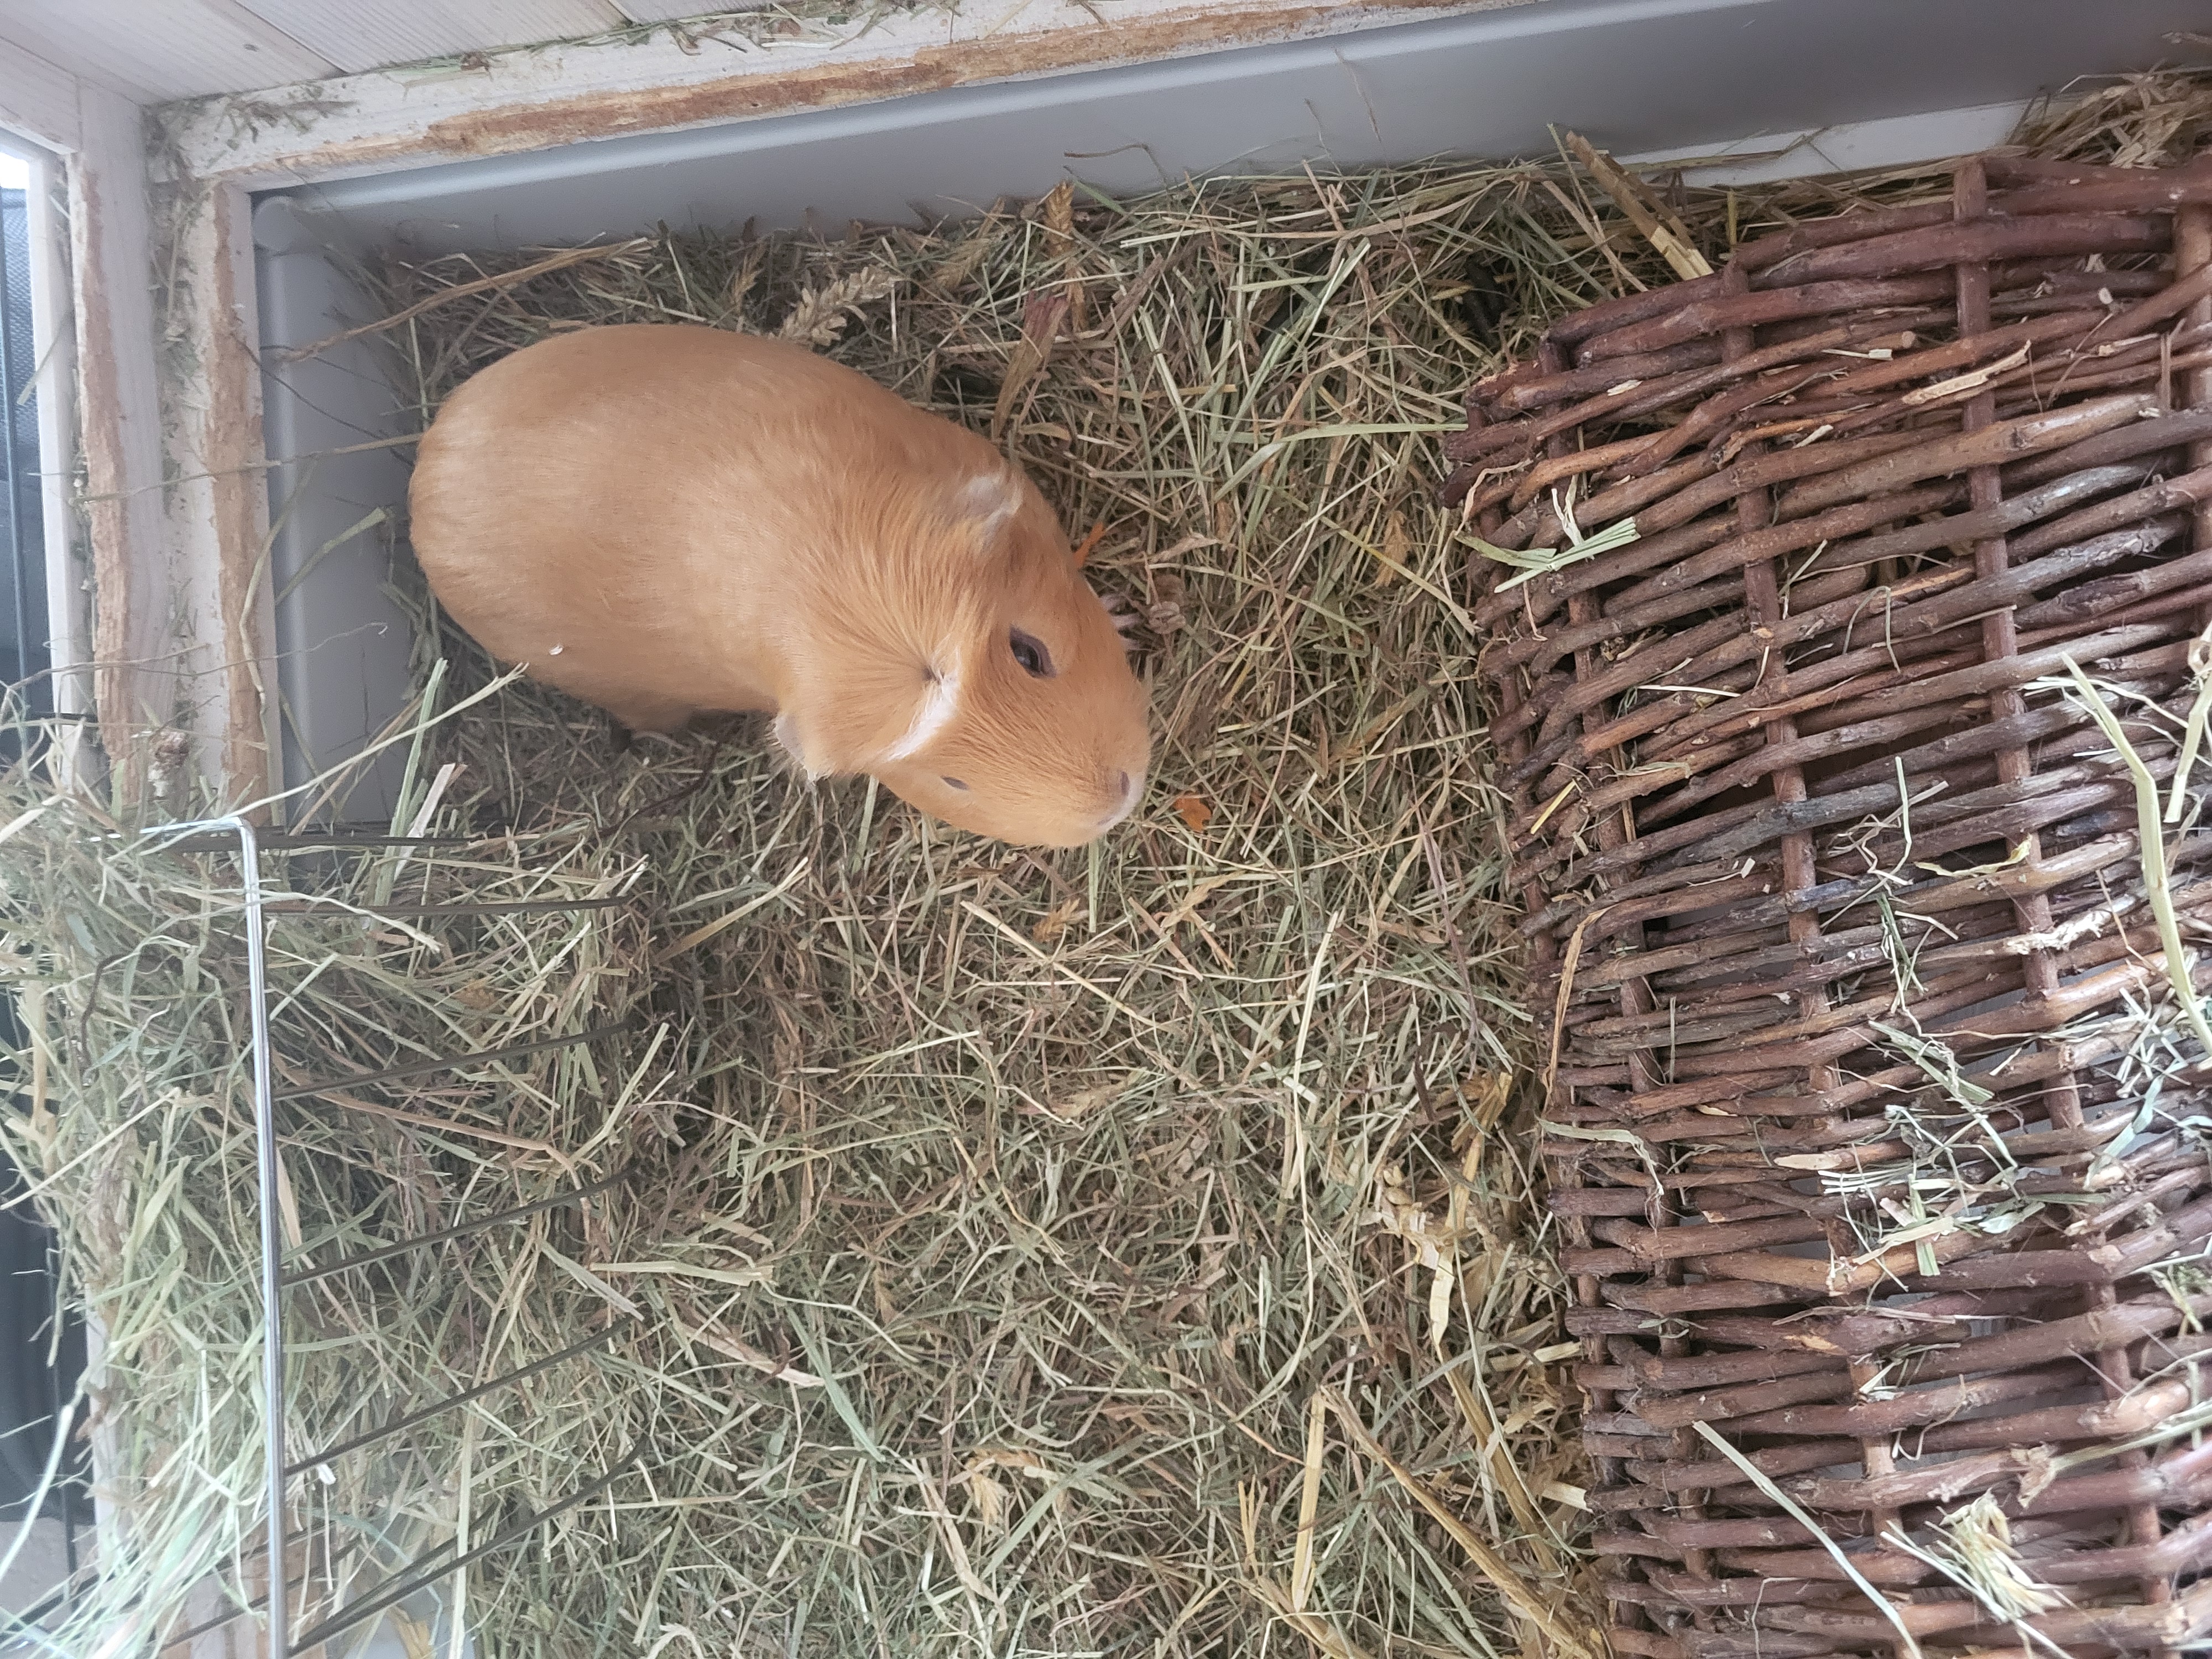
point(786, 736)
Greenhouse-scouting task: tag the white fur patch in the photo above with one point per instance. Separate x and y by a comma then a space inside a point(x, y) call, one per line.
point(1129, 802)
point(931, 715)
point(993, 498)
point(786, 733)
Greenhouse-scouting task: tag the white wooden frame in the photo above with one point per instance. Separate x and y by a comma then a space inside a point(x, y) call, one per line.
point(99, 400)
point(53, 349)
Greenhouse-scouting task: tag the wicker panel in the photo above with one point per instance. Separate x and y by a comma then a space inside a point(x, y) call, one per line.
point(1869, 1113)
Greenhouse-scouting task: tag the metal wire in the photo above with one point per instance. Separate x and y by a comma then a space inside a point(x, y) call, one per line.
point(423, 1241)
point(272, 1238)
point(206, 834)
point(421, 1067)
point(507, 908)
point(421, 1576)
point(385, 1432)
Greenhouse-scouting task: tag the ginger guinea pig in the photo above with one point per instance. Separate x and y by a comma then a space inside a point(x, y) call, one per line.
point(666, 519)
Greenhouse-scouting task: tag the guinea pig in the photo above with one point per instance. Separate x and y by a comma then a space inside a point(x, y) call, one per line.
point(668, 519)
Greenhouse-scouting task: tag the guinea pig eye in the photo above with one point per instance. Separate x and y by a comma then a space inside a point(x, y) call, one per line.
point(956, 783)
point(1034, 659)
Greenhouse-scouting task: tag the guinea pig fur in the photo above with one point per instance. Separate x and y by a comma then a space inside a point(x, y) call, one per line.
point(664, 519)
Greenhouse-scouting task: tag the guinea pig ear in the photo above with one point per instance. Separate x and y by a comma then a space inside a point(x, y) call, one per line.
point(988, 502)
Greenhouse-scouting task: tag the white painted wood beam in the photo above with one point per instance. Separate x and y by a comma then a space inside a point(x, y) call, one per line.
point(673, 78)
point(367, 35)
point(112, 258)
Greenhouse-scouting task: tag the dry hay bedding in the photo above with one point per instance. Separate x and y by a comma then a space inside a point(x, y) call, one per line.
point(1073, 1160)
point(1104, 1192)
point(1067, 1183)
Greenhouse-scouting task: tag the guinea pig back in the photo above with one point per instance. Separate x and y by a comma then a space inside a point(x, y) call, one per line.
point(664, 519)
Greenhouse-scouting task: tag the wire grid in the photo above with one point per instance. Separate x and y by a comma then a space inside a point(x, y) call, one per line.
point(1872, 1122)
point(281, 1544)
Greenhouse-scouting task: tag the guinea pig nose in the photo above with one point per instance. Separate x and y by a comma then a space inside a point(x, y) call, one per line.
point(1123, 801)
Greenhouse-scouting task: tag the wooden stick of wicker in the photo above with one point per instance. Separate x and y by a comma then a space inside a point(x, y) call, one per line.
point(1876, 1112)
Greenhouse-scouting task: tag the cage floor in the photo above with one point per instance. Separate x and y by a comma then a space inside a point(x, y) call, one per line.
point(1135, 1251)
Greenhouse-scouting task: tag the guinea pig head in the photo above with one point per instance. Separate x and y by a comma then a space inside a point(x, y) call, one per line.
point(1007, 706)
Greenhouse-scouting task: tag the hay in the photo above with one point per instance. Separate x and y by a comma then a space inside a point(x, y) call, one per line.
point(1126, 1252)
point(1089, 1169)
point(138, 1133)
